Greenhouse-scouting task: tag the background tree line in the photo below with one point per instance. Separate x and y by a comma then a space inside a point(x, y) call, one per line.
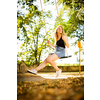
point(30, 27)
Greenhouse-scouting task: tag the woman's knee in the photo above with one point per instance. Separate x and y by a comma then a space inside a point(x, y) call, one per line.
point(48, 60)
point(51, 58)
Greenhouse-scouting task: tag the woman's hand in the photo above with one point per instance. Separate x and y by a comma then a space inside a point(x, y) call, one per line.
point(48, 41)
point(50, 44)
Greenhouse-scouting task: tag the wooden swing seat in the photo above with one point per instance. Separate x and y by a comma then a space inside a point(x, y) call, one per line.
point(66, 56)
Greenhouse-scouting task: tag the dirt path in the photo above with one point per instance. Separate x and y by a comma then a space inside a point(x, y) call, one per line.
point(43, 76)
point(31, 78)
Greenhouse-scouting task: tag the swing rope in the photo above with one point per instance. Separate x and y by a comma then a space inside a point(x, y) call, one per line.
point(57, 11)
point(43, 18)
point(44, 21)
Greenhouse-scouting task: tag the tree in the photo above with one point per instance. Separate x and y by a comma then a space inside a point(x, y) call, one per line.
point(25, 19)
point(74, 27)
point(29, 28)
point(74, 10)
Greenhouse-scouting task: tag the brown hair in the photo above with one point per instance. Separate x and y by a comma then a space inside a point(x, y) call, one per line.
point(56, 35)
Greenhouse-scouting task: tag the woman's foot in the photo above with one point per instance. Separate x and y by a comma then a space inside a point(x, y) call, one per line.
point(58, 73)
point(33, 71)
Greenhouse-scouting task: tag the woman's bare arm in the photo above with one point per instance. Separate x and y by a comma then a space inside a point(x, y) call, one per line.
point(50, 44)
point(65, 38)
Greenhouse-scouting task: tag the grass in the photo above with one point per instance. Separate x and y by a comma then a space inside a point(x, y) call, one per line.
point(65, 64)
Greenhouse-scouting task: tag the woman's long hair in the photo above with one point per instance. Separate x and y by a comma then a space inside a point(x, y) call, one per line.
point(56, 35)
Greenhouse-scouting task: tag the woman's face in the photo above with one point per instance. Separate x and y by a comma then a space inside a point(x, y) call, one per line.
point(59, 30)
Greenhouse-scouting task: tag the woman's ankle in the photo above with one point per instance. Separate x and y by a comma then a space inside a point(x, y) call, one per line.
point(36, 70)
point(57, 69)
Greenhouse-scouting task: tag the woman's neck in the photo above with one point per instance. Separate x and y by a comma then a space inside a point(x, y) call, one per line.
point(59, 36)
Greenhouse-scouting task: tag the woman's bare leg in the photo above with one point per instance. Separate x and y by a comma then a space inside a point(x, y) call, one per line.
point(42, 65)
point(50, 59)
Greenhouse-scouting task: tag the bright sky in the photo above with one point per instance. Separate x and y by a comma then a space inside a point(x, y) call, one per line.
point(70, 50)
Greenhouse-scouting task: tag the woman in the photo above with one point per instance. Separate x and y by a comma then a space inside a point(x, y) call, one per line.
point(61, 41)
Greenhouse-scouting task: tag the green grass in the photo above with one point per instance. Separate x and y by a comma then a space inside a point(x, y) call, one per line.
point(65, 64)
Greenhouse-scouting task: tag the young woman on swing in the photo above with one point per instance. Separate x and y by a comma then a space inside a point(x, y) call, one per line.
point(61, 41)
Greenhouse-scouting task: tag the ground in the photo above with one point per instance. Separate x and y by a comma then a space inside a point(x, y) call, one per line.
point(44, 86)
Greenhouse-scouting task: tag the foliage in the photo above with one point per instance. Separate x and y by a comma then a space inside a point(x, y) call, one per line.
point(74, 11)
point(82, 53)
point(74, 27)
point(29, 26)
point(25, 19)
point(30, 23)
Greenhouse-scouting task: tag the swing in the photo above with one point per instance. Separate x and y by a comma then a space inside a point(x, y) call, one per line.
point(60, 24)
point(66, 57)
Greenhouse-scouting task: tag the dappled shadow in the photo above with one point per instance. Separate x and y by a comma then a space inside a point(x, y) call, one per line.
point(22, 77)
